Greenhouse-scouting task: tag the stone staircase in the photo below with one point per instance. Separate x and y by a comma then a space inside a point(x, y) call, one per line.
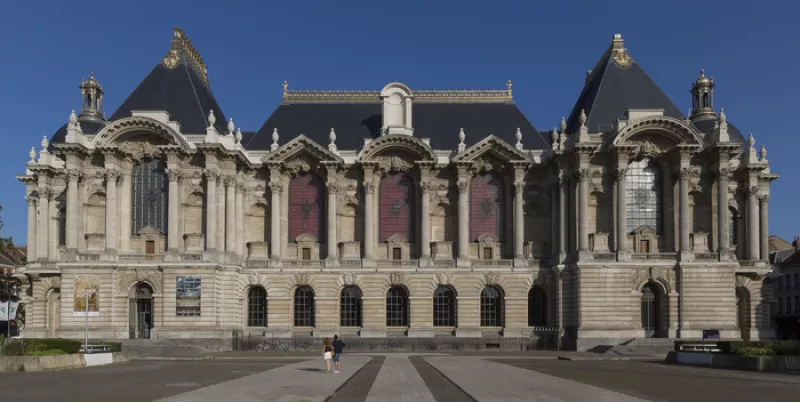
point(643, 346)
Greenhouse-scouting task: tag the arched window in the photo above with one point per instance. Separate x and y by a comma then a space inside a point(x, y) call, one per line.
point(487, 206)
point(257, 307)
point(643, 195)
point(444, 307)
point(306, 195)
point(397, 307)
point(491, 307)
point(304, 307)
point(149, 196)
point(397, 206)
point(537, 307)
point(350, 307)
point(732, 229)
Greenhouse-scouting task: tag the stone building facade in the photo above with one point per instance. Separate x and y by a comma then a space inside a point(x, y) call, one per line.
point(398, 213)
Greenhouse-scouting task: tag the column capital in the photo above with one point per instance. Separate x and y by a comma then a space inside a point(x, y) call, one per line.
point(582, 174)
point(752, 190)
point(332, 187)
point(46, 194)
point(684, 173)
point(31, 200)
point(276, 188)
point(763, 198)
point(369, 187)
point(425, 188)
point(620, 173)
point(462, 187)
point(173, 175)
point(211, 174)
point(723, 172)
point(519, 187)
point(73, 174)
point(112, 174)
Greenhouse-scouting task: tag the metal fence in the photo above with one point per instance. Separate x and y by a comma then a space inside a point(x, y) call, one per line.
point(543, 339)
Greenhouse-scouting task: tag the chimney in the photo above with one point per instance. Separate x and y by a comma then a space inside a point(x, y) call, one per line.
point(796, 243)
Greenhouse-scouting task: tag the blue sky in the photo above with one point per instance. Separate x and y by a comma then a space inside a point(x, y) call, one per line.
point(750, 48)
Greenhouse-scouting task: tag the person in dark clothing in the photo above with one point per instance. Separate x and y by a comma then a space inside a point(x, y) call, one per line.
point(337, 352)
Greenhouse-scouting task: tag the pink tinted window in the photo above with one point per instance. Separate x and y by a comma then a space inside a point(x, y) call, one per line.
point(306, 193)
point(397, 206)
point(487, 206)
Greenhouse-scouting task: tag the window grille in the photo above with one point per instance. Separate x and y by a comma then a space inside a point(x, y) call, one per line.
point(444, 307)
point(304, 307)
point(306, 195)
point(487, 206)
point(257, 307)
point(149, 196)
point(491, 307)
point(397, 206)
point(643, 195)
point(397, 307)
point(350, 307)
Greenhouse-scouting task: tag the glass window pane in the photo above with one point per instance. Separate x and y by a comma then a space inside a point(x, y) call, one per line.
point(643, 195)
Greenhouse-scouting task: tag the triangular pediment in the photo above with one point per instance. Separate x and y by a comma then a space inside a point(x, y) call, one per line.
point(301, 145)
point(494, 146)
point(644, 229)
point(148, 230)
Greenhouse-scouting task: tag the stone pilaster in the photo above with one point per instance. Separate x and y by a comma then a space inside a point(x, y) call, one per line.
point(276, 191)
point(173, 229)
point(519, 224)
point(331, 241)
point(369, 217)
point(239, 218)
point(72, 214)
point(623, 253)
point(685, 248)
point(126, 201)
point(112, 175)
point(562, 216)
point(32, 252)
point(45, 194)
point(425, 230)
point(230, 212)
point(753, 246)
point(211, 209)
point(764, 222)
point(463, 218)
point(723, 238)
point(583, 213)
point(220, 206)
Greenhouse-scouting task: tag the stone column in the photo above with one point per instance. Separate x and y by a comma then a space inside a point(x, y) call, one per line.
point(44, 220)
point(125, 217)
point(519, 224)
point(723, 237)
point(369, 221)
point(583, 209)
point(683, 222)
point(230, 211)
point(562, 217)
point(72, 209)
point(559, 304)
point(764, 221)
point(752, 225)
point(239, 218)
point(330, 240)
point(32, 255)
point(276, 189)
point(622, 214)
point(112, 175)
point(220, 214)
point(425, 231)
point(174, 198)
point(211, 209)
point(463, 223)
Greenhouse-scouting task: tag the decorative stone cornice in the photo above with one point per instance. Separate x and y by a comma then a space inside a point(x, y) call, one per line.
point(679, 131)
point(407, 143)
point(109, 133)
point(424, 96)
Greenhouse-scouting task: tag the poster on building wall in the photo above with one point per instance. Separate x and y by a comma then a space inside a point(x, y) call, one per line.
point(8, 310)
point(187, 296)
point(86, 285)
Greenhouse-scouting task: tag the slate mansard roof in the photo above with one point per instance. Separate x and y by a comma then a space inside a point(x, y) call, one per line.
point(179, 85)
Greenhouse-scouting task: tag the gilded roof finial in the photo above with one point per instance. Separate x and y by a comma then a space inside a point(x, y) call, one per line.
point(181, 42)
point(508, 85)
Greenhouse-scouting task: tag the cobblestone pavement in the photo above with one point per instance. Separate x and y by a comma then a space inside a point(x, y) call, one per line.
point(398, 378)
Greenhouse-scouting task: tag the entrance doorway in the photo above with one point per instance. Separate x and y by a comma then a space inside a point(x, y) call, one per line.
point(140, 317)
point(651, 311)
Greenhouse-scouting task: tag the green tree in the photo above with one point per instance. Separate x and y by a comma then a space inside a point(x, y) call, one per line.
point(5, 242)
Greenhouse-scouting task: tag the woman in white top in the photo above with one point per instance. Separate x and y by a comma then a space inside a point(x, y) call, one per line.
point(327, 354)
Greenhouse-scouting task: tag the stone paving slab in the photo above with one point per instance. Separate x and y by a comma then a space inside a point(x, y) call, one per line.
point(300, 382)
point(494, 382)
point(399, 381)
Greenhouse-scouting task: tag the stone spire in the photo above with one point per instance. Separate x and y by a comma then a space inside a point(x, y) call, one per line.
point(91, 100)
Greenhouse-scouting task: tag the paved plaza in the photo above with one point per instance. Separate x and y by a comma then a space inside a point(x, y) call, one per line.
point(397, 378)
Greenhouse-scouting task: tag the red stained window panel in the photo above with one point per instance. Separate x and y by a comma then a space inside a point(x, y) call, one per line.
point(397, 206)
point(306, 195)
point(487, 206)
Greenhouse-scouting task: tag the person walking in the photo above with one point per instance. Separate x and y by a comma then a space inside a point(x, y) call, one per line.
point(327, 354)
point(337, 353)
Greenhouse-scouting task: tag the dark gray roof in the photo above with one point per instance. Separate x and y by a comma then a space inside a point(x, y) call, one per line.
point(88, 127)
point(355, 121)
point(611, 90)
point(707, 126)
point(181, 92)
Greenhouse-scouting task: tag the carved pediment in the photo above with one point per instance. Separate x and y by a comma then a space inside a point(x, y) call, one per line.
point(494, 146)
point(301, 145)
point(306, 238)
point(397, 238)
point(397, 142)
point(487, 238)
point(644, 230)
point(674, 130)
point(148, 230)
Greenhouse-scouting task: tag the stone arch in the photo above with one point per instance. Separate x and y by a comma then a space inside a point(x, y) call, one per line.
point(349, 279)
point(675, 130)
point(117, 130)
point(397, 142)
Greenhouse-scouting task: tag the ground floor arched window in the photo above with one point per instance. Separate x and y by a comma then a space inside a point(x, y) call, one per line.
point(492, 307)
point(304, 307)
point(397, 307)
point(537, 307)
point(257, 307)
point(350, 307)
point(444, 307)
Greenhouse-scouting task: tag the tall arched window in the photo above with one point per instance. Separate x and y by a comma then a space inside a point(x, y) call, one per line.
point(487, 198)
point(306, 195)
point(257, 307)
point(397, 206)
point(537, 307)
point(492, 307)
point(444, 307)
point(350, 307)
point(304, 307)
point(643, 195)
point(149, 196)
point(397, 307)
